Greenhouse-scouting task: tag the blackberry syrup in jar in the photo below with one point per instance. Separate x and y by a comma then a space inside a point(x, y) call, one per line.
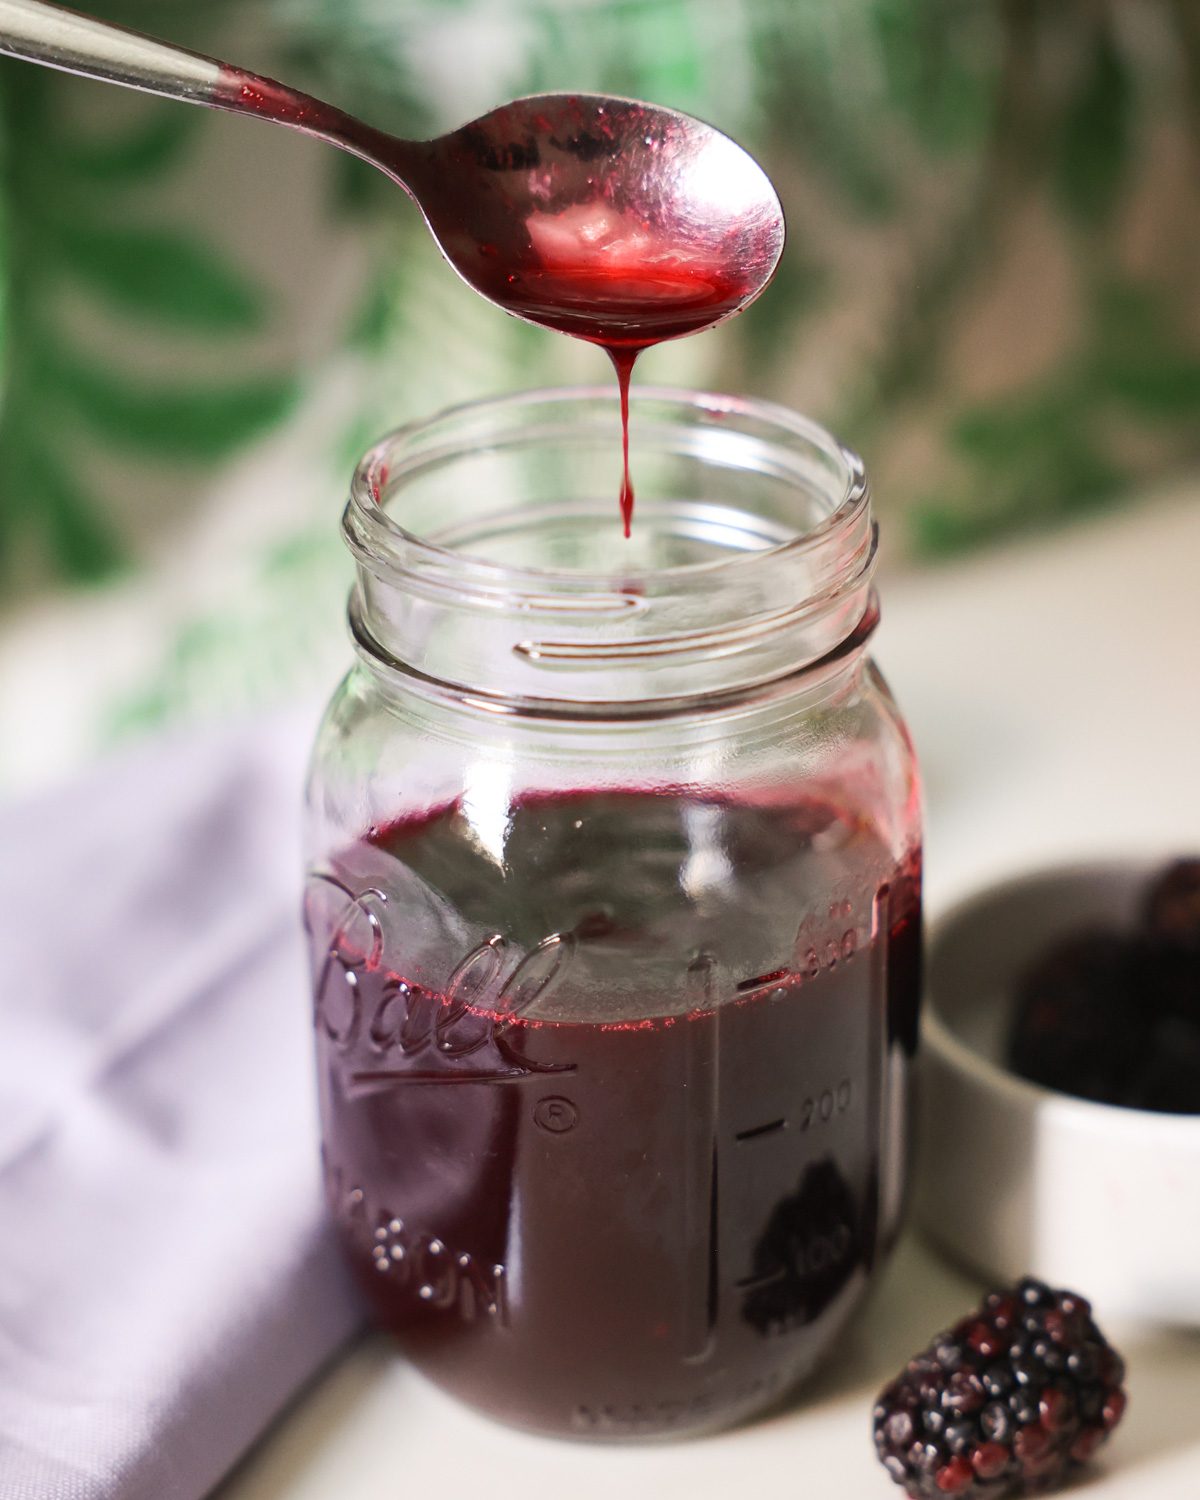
point(614, 903)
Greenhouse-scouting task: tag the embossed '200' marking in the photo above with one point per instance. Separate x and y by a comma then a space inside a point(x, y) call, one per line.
point(823, 1107)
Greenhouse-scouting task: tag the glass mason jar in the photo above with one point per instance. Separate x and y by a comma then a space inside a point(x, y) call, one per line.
point(614, 873)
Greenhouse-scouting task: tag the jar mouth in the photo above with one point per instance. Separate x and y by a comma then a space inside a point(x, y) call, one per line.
point(429, 444)
point(491, 557)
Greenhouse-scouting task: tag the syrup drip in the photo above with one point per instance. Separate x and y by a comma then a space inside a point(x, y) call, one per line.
point(598, 269)
point(623, 362)
point(624, 304)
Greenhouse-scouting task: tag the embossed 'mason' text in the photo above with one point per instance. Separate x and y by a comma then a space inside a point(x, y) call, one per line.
point(439, 1276)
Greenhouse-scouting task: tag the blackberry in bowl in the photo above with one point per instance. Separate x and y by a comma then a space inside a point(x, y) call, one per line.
point(1114, 1015)
point(1066, 1173)
point(1007, 1402)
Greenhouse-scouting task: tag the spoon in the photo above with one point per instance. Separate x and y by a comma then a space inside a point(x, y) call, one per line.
point(616, 221)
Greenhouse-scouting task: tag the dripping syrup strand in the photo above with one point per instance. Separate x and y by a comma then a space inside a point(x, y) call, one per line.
point(623, 360)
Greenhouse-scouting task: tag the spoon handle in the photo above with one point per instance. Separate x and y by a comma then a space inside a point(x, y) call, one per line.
point(74, 43)
point(63, 39)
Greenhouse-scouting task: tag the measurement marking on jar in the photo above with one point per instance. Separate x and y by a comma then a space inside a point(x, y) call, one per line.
point(761, 1278)
point(820, 1108)
point(402, 1076)
point(810, 1256)
point(774, 977)
point(756, 1130)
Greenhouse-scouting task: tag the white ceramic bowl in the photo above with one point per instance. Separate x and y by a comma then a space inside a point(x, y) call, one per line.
point(1015, 1179)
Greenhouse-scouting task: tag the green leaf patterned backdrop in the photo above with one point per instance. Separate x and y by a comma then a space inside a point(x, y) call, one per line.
point(73, 250)
point(991, 286)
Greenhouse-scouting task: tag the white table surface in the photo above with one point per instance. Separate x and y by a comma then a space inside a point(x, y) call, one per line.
point(1053, 690)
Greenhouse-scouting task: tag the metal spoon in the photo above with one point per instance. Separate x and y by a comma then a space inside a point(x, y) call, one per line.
point(616, 221)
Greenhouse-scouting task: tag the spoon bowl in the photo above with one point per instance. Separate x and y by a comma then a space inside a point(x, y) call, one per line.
point(613, 220)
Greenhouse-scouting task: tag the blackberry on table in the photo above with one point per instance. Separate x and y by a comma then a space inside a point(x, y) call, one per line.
point(1006, 1402)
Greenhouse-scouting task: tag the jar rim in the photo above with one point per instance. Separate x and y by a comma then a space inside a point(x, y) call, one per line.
point(755, 562)
point(371, 532)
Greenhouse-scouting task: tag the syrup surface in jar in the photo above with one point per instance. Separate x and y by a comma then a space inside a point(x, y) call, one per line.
point(605, 1095)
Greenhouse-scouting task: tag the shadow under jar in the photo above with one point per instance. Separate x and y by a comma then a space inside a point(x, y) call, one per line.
point(614, 903)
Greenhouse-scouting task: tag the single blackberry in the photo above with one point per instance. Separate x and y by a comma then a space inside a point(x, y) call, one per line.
point(1115, 1017)
point(1074, 1026)
point(1005, 1402)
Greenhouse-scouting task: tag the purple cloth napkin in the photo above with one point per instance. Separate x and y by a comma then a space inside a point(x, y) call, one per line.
point(166, 1279)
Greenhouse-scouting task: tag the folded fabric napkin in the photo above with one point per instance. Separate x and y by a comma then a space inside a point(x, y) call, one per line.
point(167, 1281)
